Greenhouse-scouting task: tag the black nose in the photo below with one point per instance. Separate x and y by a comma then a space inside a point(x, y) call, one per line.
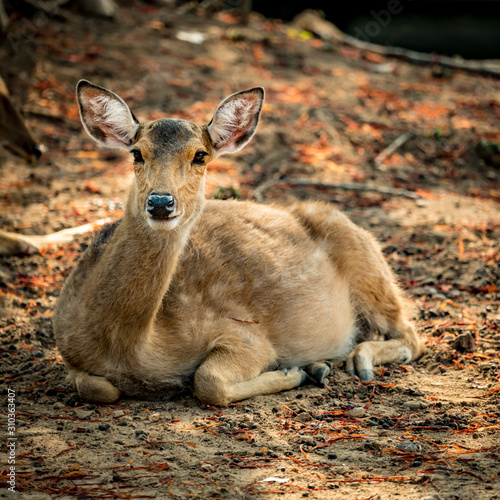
point(160, 206)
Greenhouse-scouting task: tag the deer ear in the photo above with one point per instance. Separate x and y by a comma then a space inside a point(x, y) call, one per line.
point(105, 116)
point(235, 120)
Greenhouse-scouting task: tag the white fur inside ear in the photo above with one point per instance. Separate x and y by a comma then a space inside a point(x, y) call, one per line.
point(234, 118)
point(112, 116)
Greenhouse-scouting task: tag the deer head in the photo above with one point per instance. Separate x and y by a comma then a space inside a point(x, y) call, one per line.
point(170, 155)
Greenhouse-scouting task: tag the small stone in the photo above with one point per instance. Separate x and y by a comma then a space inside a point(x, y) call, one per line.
point(407, 446)
point(82, 414)
point(383, 433)
point(464, 343)
point(248, 418)
point(357, 412)
point(487, 366)
point(415, 405)
point(59, 406)
point(154, 417)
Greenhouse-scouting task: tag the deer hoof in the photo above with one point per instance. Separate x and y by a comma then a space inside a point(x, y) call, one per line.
point(365, 375)
point(289, 371)
point(318, 371)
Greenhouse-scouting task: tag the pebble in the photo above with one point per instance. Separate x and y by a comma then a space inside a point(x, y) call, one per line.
point(154, 417)
point(357, 412)
point(487, 366)
point(407, 446)
point(59, 406)
point(464, 343)
point(248, 418)
point(82, 414)
point(415, 405)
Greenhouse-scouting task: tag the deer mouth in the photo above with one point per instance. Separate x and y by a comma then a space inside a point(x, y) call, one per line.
point(164, 218)
point(166, 222)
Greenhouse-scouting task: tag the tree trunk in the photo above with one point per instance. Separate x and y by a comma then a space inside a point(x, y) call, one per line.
point(4, 20)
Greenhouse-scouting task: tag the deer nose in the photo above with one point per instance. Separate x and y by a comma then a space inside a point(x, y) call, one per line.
point(160, 206)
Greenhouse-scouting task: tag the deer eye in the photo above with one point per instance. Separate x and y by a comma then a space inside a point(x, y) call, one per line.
point(137, 156)
point(199, 157)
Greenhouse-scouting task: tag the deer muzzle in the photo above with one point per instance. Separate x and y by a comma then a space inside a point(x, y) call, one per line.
point(160, 205)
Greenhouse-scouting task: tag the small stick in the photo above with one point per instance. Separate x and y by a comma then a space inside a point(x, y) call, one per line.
point(393, 146)
point(264, 187)
point(12, 243)
point(354, 187)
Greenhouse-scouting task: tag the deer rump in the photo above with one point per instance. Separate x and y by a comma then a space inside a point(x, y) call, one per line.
point(242, 296)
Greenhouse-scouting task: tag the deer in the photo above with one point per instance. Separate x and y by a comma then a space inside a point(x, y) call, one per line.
point(14, 135)
point(233, 298)
point(18, 140)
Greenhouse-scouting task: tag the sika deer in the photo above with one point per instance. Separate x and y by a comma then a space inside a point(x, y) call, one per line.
point(239, 295)
point(14, 135)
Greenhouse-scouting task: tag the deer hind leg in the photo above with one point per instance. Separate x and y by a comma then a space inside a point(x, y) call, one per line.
point(94, 388)
point(235, 370)
point(402, 349)
point(380, 308)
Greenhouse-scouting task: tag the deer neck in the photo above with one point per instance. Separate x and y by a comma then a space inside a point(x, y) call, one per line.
point(132, 277)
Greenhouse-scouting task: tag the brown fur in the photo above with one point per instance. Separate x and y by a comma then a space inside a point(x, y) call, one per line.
point(233, 293)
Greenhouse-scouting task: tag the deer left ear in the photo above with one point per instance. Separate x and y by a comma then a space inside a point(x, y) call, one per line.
point(235, 120)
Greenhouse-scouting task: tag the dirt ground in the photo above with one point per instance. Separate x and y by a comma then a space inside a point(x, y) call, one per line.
point(428, 430)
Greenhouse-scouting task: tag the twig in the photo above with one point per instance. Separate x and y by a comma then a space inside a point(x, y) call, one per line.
point(320, 185)
point(264, 187)
point(48, 116)
point(72, 446)
point(392, 148)
point(312, 21)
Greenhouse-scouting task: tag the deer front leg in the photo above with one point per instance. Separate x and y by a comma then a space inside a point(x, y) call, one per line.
point(404, 347)
point(95, 389)
point(235, 370)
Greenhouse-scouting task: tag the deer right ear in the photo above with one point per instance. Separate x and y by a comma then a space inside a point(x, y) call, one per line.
point(105, 116)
